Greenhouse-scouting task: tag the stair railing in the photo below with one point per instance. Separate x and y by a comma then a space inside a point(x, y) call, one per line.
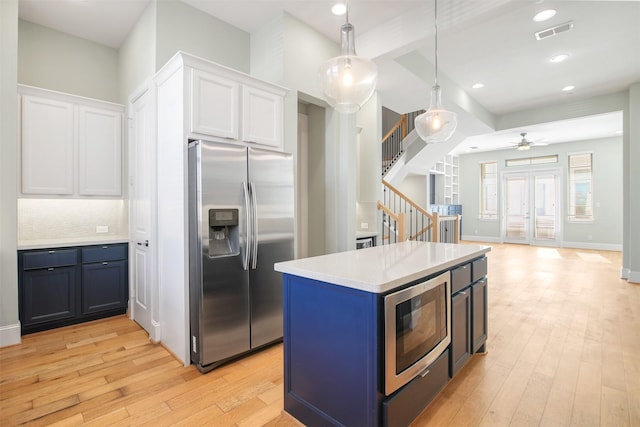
point(392, 147)
point(403, 219)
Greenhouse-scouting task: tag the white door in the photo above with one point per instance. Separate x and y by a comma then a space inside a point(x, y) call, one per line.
point(531, 208)
point(144, 292)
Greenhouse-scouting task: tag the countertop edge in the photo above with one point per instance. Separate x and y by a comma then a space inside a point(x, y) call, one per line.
point(385, 286)
point(63, 243)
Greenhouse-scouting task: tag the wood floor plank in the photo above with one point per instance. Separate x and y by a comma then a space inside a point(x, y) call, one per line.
point(563, 349)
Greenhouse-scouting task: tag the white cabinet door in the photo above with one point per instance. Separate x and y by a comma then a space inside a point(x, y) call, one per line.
point(47, 146)
point(262, 117)
point(214, 105)
point(99, 152)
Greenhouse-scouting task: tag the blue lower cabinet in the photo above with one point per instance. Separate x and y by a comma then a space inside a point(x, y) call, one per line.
point(63, 286)
point(49, 294)
point(332, 354)
point(400, 409)
point(104, 286)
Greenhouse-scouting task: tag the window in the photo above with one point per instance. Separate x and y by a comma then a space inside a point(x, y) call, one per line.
point(580, 187)
point(489, 190)
point(531, 161)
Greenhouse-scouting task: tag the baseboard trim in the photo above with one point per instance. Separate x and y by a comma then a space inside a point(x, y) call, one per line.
point(624, 273)
point(634, 277)
point(10, 335)
point(481, 239)
point(594, 246)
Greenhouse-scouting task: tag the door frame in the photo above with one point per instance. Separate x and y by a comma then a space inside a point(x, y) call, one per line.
point(530, 175)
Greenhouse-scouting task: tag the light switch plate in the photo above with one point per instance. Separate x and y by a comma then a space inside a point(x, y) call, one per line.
point(102, 228)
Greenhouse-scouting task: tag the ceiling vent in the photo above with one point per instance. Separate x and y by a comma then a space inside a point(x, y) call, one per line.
point(553, 31)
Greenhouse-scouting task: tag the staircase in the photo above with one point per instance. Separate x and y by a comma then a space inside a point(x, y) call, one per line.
point(402, 218)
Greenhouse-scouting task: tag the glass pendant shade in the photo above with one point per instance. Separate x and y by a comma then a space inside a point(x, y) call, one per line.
point(348, 81)
point(436, 124)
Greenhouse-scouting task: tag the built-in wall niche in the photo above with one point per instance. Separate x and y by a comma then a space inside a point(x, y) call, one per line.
point(444, 182)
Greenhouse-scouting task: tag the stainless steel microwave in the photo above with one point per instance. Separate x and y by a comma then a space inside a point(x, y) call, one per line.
point(417, 329)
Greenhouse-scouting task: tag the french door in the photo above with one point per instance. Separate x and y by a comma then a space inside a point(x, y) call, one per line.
point(531, 208)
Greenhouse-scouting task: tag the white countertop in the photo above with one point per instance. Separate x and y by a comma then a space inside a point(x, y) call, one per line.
point(382, 268)
point(60, 243)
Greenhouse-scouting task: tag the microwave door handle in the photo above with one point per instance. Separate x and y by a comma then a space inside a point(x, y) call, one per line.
point(247, 219)
point(254, 228)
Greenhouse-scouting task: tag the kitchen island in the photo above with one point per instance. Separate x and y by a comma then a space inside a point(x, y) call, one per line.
point(334, 329)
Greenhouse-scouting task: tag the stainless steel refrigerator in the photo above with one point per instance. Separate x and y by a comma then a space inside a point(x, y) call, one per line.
point(240, 223)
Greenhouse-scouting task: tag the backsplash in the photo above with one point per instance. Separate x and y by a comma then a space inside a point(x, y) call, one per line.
point(50, 219)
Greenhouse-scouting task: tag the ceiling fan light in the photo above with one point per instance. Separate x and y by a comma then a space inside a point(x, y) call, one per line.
point(348, 81)
point(523, 147)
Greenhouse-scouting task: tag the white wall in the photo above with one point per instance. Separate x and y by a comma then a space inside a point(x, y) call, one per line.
point(631, 253)
point(605, 230)
point(9, 323)
point(58, 61)
point(183, 27)
point(136, 56)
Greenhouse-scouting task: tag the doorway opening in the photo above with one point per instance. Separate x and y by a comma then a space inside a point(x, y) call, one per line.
point(531, 208)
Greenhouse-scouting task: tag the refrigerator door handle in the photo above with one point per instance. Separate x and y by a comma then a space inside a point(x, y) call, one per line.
point(247, 213)
point(254, 227)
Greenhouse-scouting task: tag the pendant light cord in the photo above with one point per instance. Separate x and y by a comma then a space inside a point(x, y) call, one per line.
point(436, 27)
point(346, 4)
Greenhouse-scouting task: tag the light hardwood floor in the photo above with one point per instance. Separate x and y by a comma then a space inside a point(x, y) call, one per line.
point(563, 350)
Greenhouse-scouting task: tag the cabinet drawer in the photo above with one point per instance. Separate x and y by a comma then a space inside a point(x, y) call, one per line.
point(49, 258)
point(104, 253)
point(479, 268)
point(460, 278)
point(406, 404)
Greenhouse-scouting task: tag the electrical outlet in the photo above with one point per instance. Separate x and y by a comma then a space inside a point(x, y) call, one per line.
point(364, 225)
point(102, 228)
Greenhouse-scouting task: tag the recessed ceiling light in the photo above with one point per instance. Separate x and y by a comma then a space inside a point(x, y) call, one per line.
point(618, 132)
point(544, 15)
point(559, 58)
point(568, 88)
point(477, 86)
point(339, 9)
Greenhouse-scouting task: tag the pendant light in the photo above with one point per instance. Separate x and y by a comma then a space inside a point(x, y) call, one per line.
point(348, 81)
point(436, 124)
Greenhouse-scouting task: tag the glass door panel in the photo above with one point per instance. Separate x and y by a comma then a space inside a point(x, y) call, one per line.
point(517, 209)
point(544, 218)
point(531, 208)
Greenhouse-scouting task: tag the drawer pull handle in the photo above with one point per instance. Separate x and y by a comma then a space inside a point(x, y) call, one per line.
point(50, 269)
point(146, 243)
point(105, 263)
point(52, 252)
point(463, 293)
point(105, 247)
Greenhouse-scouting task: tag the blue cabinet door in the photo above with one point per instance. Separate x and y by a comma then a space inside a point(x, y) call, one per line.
point(104, 286)
point(48, 295)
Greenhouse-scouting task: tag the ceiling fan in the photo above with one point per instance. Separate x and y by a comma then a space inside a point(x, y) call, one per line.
point(525, 144)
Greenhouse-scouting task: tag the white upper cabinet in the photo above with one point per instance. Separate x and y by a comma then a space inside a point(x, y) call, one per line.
point(231, 105)
point(99, 152)
point(262, 116)
point(47, 149)
point(69, 145)
point(214, 105)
